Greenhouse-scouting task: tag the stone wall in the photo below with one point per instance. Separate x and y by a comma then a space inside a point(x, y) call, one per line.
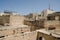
point(11, 20)
point(16, 20)
point(4, 19)
point(35, 24)
point(54, 23)
point(46, 37)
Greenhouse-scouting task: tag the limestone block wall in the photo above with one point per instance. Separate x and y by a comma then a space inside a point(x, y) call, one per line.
point(4, 19)
point(11, 20)
point(35, 24)
point(1, 20)
point(53, 23)
point(16, 20)
point(46, 37)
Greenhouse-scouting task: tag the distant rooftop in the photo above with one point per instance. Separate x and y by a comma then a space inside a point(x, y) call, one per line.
point(8, 13)
point(54, 14)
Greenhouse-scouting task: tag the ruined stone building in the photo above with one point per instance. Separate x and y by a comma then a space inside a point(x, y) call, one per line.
point(11, 19)
point(53, 20)
point(50, 24)
point(45, 19)
point(34, 24)
point(51, 30)
point(35, 21)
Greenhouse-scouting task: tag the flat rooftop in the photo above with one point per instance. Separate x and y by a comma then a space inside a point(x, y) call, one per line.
point(54, 33)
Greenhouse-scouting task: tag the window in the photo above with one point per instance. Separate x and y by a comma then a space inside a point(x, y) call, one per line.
point(59, 18)
point(50, 18)
point(51, 27)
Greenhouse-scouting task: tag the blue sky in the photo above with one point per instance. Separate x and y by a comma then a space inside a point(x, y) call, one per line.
point(28, 6)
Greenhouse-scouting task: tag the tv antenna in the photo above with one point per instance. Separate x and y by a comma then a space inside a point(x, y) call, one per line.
point(49, 6)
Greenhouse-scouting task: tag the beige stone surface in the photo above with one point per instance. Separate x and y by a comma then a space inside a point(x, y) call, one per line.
point(24, 36)
point(16, 20)
point(11, 30)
